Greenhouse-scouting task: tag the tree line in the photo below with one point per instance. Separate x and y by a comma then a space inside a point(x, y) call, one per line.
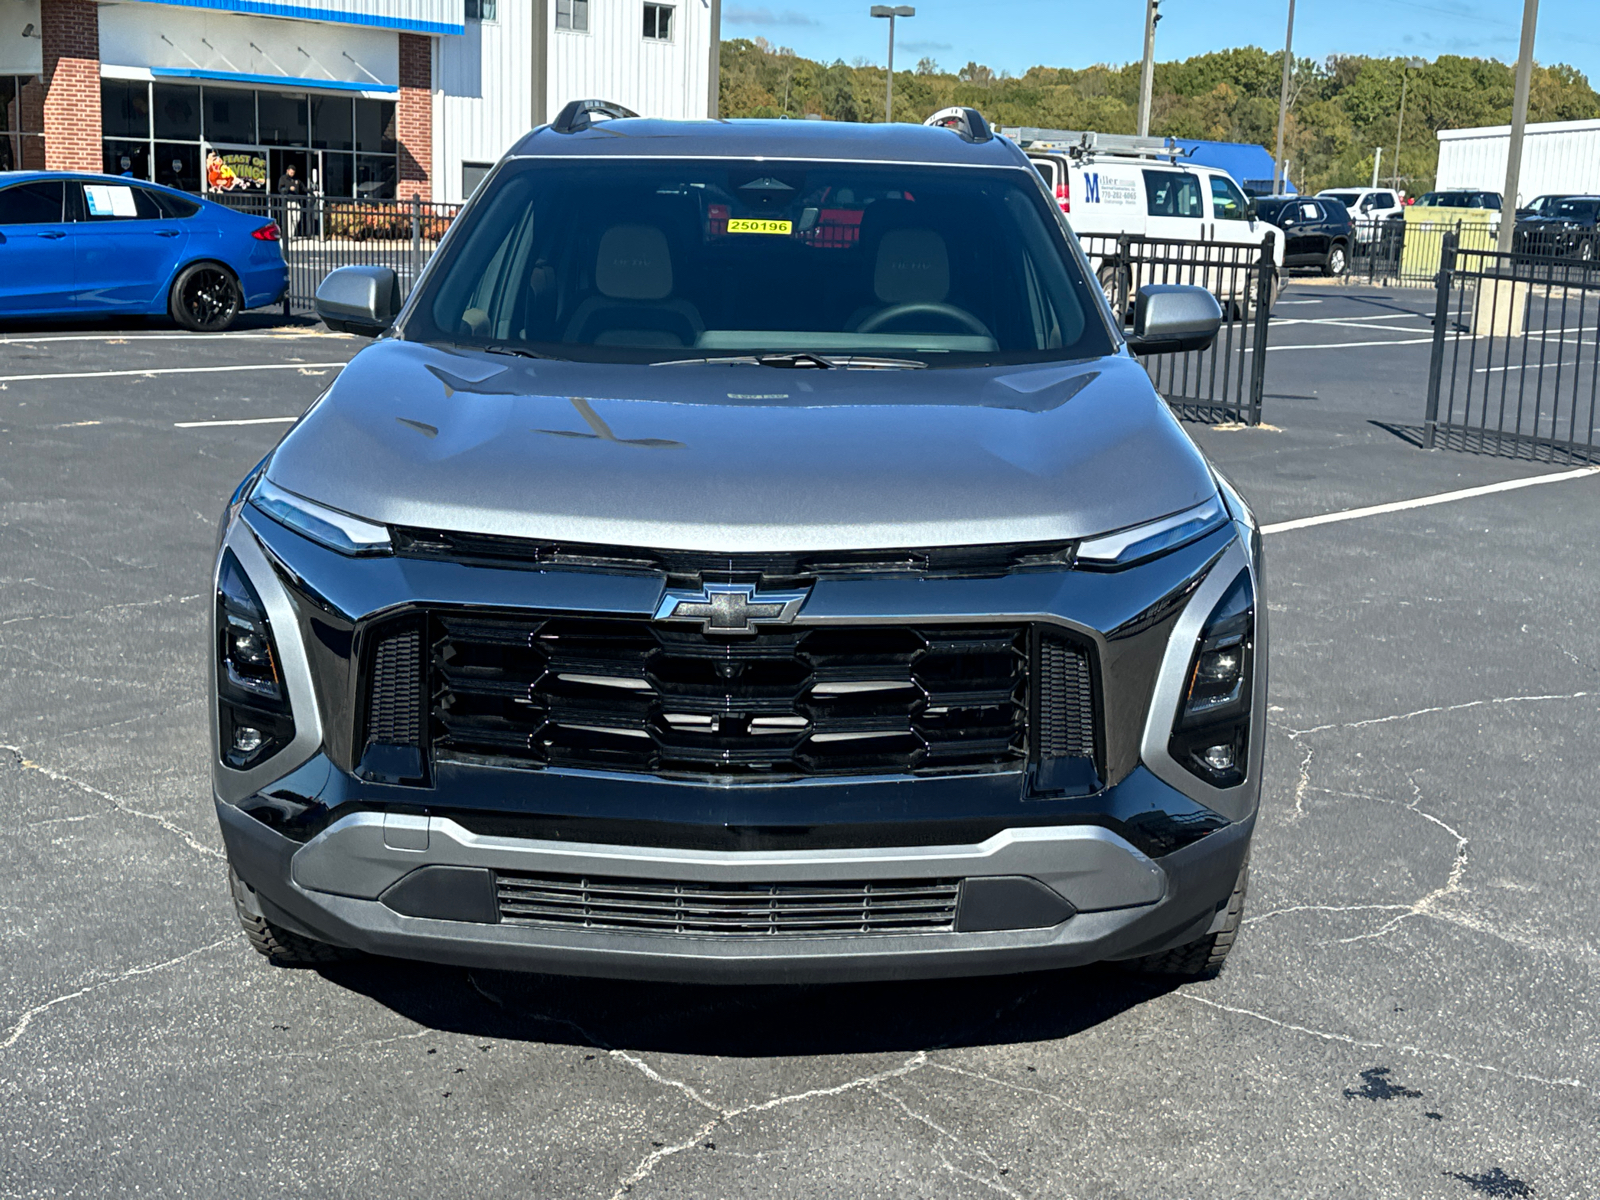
point(1341, 109)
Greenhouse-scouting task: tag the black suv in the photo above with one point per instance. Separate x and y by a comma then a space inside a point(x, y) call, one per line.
point(1566, 227)
point(1317, 232)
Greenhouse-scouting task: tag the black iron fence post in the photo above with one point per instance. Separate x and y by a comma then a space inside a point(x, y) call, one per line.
point(285, 242)
point(1266, 268)
point(1124, 278)
point(416, 239)
point(1441, 317)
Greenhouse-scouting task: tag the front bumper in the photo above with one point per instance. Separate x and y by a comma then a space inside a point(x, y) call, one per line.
point(1143, 864)
point(333, 889)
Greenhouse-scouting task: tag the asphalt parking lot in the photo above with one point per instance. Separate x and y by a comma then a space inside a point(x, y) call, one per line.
point(1410, 1010)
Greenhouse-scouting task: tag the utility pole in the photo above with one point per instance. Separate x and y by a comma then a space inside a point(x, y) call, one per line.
point(1411, 64)
point(1283, 101)
point(1377, 159)
point(898, 10)
point(1147, 77)
point(1519, 123)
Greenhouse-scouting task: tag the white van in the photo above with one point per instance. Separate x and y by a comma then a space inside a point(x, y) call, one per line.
point(1112, 184)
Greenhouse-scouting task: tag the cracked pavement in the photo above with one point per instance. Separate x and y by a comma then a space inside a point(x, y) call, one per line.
point(1409, 1011)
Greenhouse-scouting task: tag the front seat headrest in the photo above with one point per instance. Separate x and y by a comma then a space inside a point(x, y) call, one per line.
point(633, 264)
point(913, 267)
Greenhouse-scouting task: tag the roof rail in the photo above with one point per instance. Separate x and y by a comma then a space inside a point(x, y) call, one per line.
point(968, 122)
point(578, 115)
point(1081, 144)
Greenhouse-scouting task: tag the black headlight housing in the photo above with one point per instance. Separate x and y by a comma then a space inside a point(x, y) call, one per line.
point(254, 719)
point(1211, 734)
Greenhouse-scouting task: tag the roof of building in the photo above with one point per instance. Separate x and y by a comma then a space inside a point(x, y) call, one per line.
point(812, 140)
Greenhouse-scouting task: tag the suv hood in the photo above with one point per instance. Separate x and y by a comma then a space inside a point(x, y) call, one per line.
point(741, 458)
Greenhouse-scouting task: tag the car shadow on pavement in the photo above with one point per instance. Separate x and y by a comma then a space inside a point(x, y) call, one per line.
point(749, 1020)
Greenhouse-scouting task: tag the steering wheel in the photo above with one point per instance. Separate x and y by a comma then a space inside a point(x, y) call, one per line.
point(927, 307)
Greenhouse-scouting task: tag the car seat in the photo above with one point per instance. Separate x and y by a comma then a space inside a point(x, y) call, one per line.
point(634, 305)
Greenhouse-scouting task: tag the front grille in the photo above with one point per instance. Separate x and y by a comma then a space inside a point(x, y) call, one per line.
point(1066, 700)
point(623, 695)
point(394, 703)
point(728, 909)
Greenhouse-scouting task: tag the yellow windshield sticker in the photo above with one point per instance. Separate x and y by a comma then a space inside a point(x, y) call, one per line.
point(749, 225)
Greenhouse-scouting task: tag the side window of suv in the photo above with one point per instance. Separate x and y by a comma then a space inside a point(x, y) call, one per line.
point(1384, 200)
point(1173, 194)
point(1228, 202)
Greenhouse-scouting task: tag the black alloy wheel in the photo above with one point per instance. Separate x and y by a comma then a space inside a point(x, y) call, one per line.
point(205, 298)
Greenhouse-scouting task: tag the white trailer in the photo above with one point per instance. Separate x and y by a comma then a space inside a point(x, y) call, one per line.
point(1557, 157)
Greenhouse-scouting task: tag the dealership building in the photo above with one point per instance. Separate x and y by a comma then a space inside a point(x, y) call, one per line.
point(375, 98)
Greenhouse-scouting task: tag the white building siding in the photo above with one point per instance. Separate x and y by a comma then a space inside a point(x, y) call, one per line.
point(615, 61)
point(483, 93)
point(1557, 156)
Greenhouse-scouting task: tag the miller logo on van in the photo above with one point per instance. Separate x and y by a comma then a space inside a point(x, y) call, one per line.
point(1091, 187)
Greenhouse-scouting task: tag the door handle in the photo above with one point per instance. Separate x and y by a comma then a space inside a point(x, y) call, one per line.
point(166, 233)
point(53, 234)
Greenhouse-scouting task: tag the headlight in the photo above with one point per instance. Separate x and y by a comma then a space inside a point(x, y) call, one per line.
point(1211, 735)
point(1128, 546)
point(327, 526)
point(253, 715)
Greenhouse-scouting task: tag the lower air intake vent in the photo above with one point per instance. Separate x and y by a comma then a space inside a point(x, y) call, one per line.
point(728, 909)
point(1066, 701)
point(394, 709)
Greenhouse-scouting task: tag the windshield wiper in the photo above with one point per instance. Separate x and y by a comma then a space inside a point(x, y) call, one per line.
point(800, 360)
point(519, 351)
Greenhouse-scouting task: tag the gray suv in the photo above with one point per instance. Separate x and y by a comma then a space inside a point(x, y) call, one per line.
point(751, 553)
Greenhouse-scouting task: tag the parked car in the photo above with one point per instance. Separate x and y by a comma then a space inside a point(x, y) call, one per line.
point(1316, 232)
point(676, 592)
point(94, 245)
point(1539, 206)
point(1367, 207)
point(1455, 199)
point(1568, 228)
point(1111, 184)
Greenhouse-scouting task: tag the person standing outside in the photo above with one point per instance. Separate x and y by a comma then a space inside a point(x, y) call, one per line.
point(290, 187)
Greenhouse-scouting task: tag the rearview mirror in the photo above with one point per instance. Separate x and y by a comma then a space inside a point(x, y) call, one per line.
point(1169, 319)
point(361, 300)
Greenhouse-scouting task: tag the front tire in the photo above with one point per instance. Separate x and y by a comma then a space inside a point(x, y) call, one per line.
point(282, 947)
point(205, 298)
point(1338, 261)
point(1114, 280)
point(1203, 957)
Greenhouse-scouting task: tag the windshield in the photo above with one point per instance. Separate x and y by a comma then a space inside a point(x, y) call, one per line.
point(1348, 199)
point(665, 260)
point(1574, 210)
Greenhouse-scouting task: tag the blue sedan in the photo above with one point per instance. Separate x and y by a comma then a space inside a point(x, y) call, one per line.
point(95, 245)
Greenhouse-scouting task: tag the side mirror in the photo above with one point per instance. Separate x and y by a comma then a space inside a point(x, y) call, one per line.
point(1169, 319)
point(361, 300)
point(1250, 210)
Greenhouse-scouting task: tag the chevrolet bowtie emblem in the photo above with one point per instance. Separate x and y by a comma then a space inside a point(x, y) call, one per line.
point(730, 607)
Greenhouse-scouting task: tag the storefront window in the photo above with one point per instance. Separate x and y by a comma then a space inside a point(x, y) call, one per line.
point(230, 117)
point(124, 109)
point(177, 112)
point(333, 123)
point(285, 119)
point(375, 131)
point(181, 135)
point(21, 123)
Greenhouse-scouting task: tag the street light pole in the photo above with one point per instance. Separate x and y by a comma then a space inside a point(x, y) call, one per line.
point(885, 10)
point(1519, 122)
point(1411, 64)
point(1283, 101)
point(1152, 15)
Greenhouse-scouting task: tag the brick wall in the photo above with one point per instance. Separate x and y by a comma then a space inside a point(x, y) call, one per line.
point(31, 102)
point(70, 32)
point(414, 117)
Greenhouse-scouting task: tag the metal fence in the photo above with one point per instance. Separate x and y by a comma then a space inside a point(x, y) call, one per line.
point(1513, 371)
point(1225, 382)
point(1398, 253)
point(320, 234)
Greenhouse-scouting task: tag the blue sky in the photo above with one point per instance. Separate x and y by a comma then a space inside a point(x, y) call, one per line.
point(1017, 34)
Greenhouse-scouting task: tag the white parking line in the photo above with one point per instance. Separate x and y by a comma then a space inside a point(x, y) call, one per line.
point(245, 421)
point(1353, 514)
point(1349, 345)
point(289, 366)
point(1388, 316)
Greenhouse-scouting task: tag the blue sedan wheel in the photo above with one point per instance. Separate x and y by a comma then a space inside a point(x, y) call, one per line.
point(205, 298)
